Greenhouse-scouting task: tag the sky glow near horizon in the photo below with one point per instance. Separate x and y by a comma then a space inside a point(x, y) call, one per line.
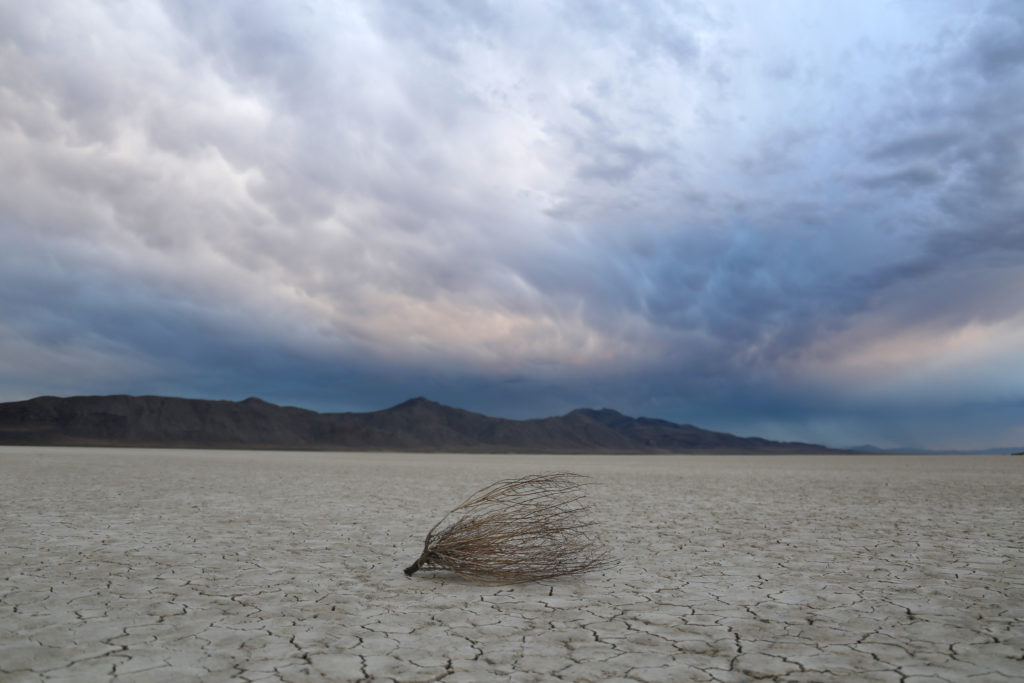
point(803, 221)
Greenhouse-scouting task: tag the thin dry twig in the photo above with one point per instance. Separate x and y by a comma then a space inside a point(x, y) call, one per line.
point(517, 530)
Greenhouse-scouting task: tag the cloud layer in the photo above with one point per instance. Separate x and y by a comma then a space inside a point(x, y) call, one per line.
point(803, 222)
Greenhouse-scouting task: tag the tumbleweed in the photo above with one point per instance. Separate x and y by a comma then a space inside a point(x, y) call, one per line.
point(517, 530)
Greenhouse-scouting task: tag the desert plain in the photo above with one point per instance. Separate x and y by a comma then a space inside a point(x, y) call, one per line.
point(177, 565)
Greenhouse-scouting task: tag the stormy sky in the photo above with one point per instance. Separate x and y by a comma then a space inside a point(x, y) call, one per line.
point(799, 220)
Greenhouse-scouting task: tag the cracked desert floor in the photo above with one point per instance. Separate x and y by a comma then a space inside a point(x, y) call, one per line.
point(173, 565)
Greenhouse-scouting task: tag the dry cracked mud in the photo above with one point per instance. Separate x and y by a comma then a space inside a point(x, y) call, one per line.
point(166, 565)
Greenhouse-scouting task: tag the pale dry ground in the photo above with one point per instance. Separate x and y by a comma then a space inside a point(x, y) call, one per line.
point(150, 565)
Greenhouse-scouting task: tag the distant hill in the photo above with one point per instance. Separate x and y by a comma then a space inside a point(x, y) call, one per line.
point(415, 425)
point(910, 450)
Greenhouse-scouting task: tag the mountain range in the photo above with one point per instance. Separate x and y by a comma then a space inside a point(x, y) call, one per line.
point(415, 425)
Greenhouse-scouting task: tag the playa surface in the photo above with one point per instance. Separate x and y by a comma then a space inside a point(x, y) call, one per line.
point(170, 565)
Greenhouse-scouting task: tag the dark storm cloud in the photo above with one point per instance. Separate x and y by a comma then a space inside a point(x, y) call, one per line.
point(906, 178)
point(974, 219)
point(775, 216)
point(928, 145)
point(997, 46)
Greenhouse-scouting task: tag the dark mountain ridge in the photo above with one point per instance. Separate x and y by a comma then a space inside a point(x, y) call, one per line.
point(415, 425)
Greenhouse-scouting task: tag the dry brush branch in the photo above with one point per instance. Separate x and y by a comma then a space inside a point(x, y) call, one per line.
point(517, 530)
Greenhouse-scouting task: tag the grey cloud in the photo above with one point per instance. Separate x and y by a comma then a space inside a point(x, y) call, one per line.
point(603, 153)
point(645, 27)
point(341, 123)
point(236, 191)
point(967, 161)
point(928, 145)
point(998, 46)
point(914, 176)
